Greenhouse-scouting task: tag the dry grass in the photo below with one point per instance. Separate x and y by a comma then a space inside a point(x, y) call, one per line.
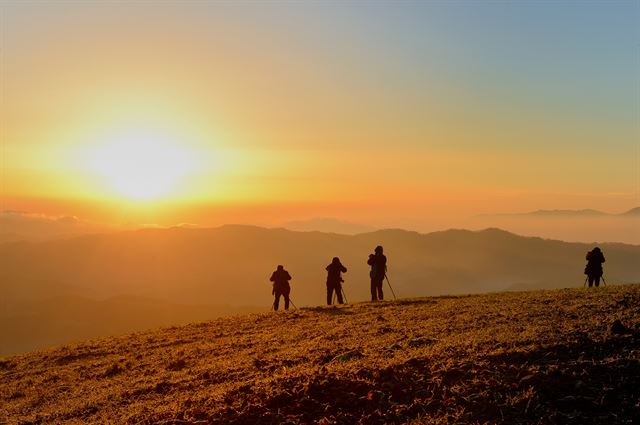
point(536, 357)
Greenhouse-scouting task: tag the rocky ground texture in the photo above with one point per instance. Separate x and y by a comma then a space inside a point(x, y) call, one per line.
point(548, 357)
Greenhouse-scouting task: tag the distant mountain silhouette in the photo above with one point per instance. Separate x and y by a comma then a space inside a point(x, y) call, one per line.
point(634, 212)
point(232, 264)
point(328, 225)
point(565, 213)
point(573, 225)
point(586, 212)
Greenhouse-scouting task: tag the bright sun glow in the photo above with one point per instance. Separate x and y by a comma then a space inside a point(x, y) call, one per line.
point(140, 165)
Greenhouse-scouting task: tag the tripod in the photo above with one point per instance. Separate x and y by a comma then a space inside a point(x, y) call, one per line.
point(390, 287)
point(586, 279)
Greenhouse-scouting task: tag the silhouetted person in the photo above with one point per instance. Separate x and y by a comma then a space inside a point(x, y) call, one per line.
point(593, 270)
point(280, 279)
point(334, 280)
point(378, 263)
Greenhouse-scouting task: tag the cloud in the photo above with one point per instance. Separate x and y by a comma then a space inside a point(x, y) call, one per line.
point(170, 226)
point(328, 225)
point(28, 226)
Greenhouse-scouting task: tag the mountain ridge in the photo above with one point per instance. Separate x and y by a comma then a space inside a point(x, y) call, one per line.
point(231, 265)
point(588, 212)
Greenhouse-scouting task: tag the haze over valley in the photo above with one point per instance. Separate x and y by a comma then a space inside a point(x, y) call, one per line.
point(65, 290)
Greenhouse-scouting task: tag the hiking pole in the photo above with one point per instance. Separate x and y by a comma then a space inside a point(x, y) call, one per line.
point(585, 282)
point(390, 287)
point(604, 282)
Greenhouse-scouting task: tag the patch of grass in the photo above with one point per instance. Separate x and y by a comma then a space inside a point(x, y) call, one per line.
point(546, 357)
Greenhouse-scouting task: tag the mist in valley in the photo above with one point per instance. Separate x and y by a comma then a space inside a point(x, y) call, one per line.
point(94, 285)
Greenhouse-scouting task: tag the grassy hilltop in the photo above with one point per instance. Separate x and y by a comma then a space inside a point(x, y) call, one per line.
point(530, 357)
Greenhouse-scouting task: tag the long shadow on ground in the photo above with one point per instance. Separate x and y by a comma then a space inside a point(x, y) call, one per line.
point(584, 381)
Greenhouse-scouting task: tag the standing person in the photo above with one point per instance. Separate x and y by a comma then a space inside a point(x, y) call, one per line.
point(334, 280)
point(280, 279)
point(378, 263)
point(593, 270)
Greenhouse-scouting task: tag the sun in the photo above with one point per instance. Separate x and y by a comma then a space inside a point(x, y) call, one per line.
point(141, 165)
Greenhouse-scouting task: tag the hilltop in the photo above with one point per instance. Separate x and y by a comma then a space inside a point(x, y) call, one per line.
point(529, 357)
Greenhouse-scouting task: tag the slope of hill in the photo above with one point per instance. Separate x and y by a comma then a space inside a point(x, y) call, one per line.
point(536, 357)
point(64, 319)
point(633, 212)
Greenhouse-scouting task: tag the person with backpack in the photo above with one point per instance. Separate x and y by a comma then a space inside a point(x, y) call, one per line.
point(280, 279)
point(334, 280)
point(378, 263)
point(593, 270)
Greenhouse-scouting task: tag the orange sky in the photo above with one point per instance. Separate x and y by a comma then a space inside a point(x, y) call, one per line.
point(213, 113)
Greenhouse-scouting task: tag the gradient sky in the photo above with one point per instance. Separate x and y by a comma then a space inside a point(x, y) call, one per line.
point(388, 113)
